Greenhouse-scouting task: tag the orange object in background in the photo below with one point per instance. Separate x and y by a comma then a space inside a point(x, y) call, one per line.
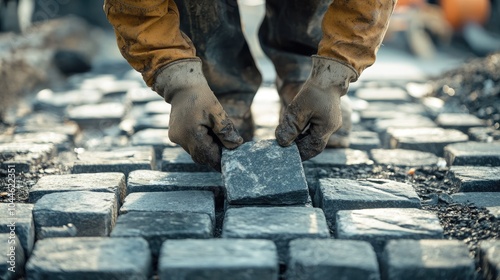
point(403, 3)
point(459, 12)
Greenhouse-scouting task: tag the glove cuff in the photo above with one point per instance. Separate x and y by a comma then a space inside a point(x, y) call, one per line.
point(178, 76)
point(329, 72)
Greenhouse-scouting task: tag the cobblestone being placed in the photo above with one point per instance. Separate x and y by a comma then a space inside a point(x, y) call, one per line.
point(264, 173)
point(178, 160)
point(334, 195)
point(319, 259)
point(475, 178)
point(432, 140)
point(427, 259)
point(92, 213)
point(378, 226)
point(157, 138)
point(19, 217)
point(97, 182)
point(279, 224)
point(171, 202)
point(338, 158)
point(489, 200)
point(403, 157)
point(462, 122)
point(473, 153)
point(221, 259)
point(489, 258)
point(90, 258)
point(25, 156)
point(122, 160)
point(156, 227)
point(12, 257)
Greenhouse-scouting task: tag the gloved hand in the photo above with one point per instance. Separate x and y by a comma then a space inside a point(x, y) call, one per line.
point(197, 121)
point(314, 114)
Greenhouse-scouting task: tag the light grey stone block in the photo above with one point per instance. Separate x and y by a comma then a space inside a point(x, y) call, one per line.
point(473, 153)
point(19, 216)
point(61, 141)
point(386, 94)
point(403, 157)
point(111, 112)
point(489, 258)
point(462, 122)
point(475, 178)
point(142, 95)
point(338, 157)
point(432, 140)
point(12, 258)
point(24, 156)
point(364, 140)
point(157, 138)
point(157, 107)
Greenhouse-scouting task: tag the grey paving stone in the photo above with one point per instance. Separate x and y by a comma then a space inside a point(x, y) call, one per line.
point(473, 153)
point(157, 107)
point(97, 182)
point(90, 258)
point(489, 200)
point(122, 160)
point(403, 157)
point(264, 173)
point(338, 157)
point(178, 160)
point(92, 213)
point(385, 94)
point(156, 227)
point(484, 134)
point(142, 95)
point(91, 115)
point(172, 202)
point(334, 195)
point(61, 141)
point(219, 259)
point(70, 129)
point(12, 257)
point(389, 110)
point(475, 178)
point(427, 259)
point(19, 215)
point(432, 140)
point(377, 226)
point(156, 181)
point(412, 121)
point(490, 258)
point(48, 100)
point(364, 140)
point(459, 121)
point(159, 121)
point(158, 138)
point(318, 259)
point(279, 224)
point(68, 230)
point(24, 156)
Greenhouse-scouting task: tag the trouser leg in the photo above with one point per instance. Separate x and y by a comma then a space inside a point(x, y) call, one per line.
point(214, 27)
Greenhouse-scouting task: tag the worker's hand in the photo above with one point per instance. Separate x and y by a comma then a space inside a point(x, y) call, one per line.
point(315, 114)
point(197, 121)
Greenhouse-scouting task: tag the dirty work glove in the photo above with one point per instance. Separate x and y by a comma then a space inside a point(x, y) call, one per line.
point(314, 114)
point(197, 121)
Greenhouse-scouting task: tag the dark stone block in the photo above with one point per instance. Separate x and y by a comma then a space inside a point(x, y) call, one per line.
point(473, 153)
point(489, 200)
point(160, 121)
point(475, 178)
point(220, 259)
point(90, 258)
point(264, 173)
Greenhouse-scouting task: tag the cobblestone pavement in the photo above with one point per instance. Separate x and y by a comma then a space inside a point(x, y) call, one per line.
point(102, 193)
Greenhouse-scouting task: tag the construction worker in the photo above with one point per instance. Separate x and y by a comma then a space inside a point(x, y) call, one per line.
point(194, 54)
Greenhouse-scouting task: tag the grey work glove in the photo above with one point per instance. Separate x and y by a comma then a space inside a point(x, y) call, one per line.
point(197, 121)
point(314, 114)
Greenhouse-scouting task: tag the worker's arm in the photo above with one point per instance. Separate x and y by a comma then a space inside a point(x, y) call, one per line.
point(149, 37)
point(352, 33)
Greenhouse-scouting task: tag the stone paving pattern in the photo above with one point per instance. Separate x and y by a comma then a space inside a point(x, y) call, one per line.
point(136, 206)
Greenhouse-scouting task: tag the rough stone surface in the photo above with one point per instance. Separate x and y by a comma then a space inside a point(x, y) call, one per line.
point(380, 225)
point(364, 140)
point(158, 138)
point(12, 257)
point(264, 173)
point(97, 182)
point(90, 258)
point(473, 153)
point(24, 156)
point(475, 178)
point(490, 258)
point(432, 140)
point(220, 259)
point(319, 259)
point(386, 94)
point(338, 158)
point(458, 121)
point(61, 141)
point(92, 213)
point(68, 230)
point(70, 129)
point(178, 160)
point(280, 224)
point(122, 160)
point(334, 195)
point(172, 202)
point(157, 227)
point(111, 112)
point(484, 134)
point(21, 215)
point(427, 259)
point(403, 157)
point(489, 200)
